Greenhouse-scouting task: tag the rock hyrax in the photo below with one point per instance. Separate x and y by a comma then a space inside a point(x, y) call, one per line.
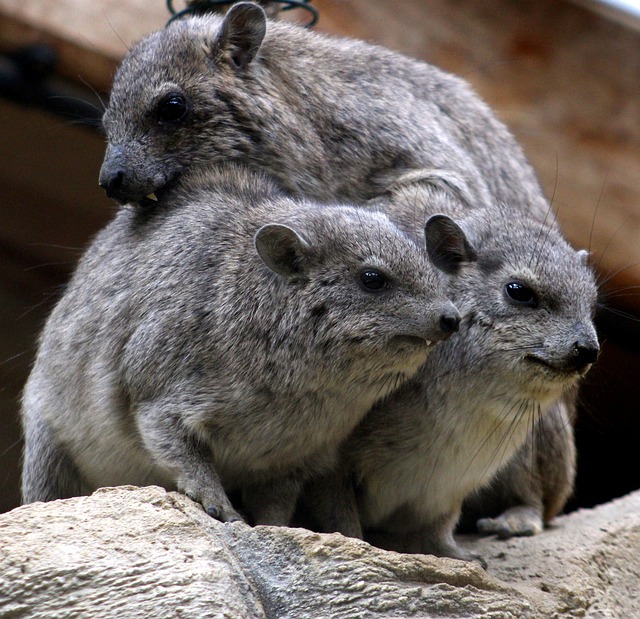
point(231, 338)
point(329, 118)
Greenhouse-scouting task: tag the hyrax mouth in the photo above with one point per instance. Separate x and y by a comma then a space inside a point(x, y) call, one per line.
point(121, 186)
point(158, 193)
point(153, 198)
point(413, 341)
point(561, 371)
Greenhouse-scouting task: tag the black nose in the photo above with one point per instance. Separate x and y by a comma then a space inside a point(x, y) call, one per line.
point(113, 183)
point(585, 354)
point(449, 323)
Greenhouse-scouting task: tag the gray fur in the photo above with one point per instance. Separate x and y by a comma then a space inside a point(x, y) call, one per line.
point(181, 356)
point(534, 486)
point(329, 118)
point(475, 403)
point(326, 117)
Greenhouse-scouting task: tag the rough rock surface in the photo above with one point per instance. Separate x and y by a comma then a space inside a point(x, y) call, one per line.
point(128, 552)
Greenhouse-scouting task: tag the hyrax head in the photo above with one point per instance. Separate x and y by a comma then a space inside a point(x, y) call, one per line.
point(178, 100)
point(366, 295)
point(529, 308)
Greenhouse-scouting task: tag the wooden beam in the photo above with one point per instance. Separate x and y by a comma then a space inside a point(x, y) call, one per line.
point(91, 36)
point(566, 80)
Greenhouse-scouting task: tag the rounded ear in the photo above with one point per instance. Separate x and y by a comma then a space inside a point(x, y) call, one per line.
point(583, 255)
point(242, 32)
point(282, 249)
point(447, 244)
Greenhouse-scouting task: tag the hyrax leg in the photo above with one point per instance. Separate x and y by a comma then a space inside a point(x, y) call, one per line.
point(273, 502)
point(331, 500)
point(48, 473)
point(170, 442)
point(437, 539)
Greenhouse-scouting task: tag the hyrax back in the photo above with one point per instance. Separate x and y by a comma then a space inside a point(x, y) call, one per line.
point(329, 118)
point(230, 339)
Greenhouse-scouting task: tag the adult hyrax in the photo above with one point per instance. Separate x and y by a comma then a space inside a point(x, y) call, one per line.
point(229, 340)
point(329, 118)
point(526, 337)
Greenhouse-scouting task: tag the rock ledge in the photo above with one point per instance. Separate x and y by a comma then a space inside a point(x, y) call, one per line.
point(129, 552)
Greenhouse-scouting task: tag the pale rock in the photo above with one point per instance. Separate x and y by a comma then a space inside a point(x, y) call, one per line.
point(128, 552)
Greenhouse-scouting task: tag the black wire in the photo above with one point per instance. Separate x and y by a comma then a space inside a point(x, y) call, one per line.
point(211, 6)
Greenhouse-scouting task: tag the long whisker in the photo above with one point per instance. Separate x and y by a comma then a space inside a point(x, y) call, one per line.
point(546, 238)
point(10, 447)
point(606, 247)
point(104, 13)
point(96, 94)
point(495, 427)
point(500, 453)
point(623, 314)
point(549, 210)
point(604, 281)
point(595, 213)
point(486, 355)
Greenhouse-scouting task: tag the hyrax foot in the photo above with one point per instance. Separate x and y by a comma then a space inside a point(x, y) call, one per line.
point(218, 507)
point(457, 552)
point(518, 521)
point(441, 546)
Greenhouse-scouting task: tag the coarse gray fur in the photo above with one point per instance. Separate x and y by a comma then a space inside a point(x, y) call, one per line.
point(329, 118)
point(478, 399)
point(183, 355)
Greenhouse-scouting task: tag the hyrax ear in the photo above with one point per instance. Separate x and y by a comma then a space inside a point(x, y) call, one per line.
point(282, 249)
point(583, 255)
point(242, 32)
point(447, 244)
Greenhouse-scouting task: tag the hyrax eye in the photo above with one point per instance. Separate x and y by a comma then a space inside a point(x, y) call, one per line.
point(172, 108)
point(521, 294)
point(373, 280)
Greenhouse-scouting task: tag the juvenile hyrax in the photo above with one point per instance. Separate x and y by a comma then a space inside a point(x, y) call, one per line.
point(230, 340)
point(329, 118)
point(526, 337)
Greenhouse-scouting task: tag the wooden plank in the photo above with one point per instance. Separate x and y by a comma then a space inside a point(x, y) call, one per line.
point(90, 36)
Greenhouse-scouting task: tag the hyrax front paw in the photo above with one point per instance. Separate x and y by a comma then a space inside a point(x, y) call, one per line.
point(217, 505)
point(519, 521)
point(457, 552)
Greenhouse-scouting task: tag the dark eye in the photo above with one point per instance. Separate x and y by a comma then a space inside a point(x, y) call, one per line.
point(373, 281)
point(521, 294)
point(172, 108)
